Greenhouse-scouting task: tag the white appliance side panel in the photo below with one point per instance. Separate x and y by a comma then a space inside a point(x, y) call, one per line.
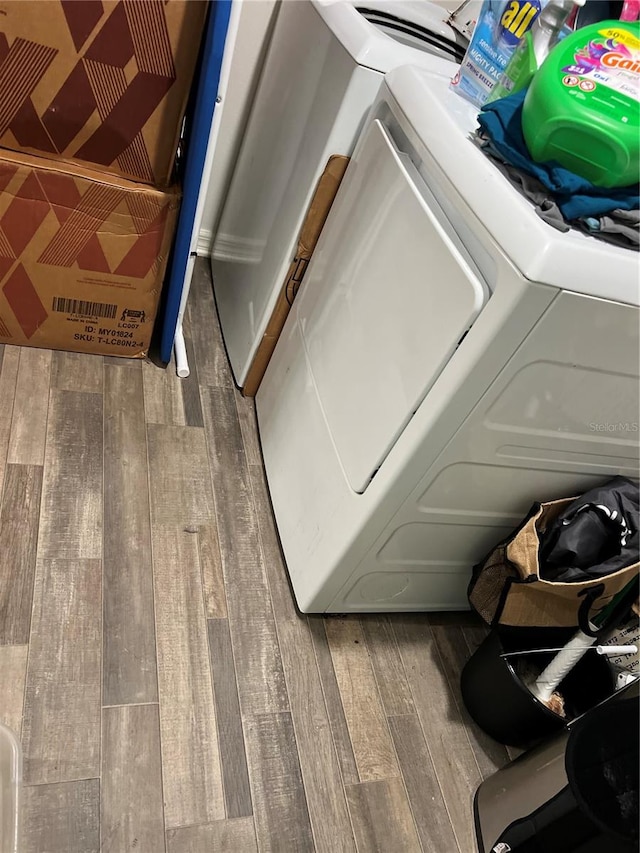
point(309, 494)
point(245, 55)
point(326, 528)
point(387, 297)
point(320, 518)
point(311, 102)
point(561, 417)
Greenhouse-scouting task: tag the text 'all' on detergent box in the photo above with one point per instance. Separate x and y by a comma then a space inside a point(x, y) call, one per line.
point(101, 82)
point(82, 257)
point(498, 31)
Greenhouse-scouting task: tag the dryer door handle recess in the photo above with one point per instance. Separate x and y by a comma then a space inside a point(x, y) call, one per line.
point(434, 210)
point(388, 295)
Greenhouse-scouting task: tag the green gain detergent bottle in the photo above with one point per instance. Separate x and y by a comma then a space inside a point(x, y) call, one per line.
point(582, 108)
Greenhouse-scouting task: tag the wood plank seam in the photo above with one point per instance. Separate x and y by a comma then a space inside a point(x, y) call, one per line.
point(391, 738)
point(437, 779)
point(42, 426)
point(192, 780)
point(437, 775)
point(71, 529)
point(254, 778)
point(129, 641)
point(324, 696)
point(154, 609)
point(375, 676)
point(316, 804)
point(300, 762)
point(62, 713)
point(102, 627)
point(162, 794)
point(61, 816)
point(454, 654)
point(19, 522)
point(461, 711)
point(386, 717)
point(416, 718)
point(347, 652)
point(218, 718)
point(8, 413)
point(262, 559)
point(269, 613)
point(339, 728)
point(214, 521)
point(153, 569)
point(131, 796)
point(226, 820)
point(63, 782)
point(12, 716)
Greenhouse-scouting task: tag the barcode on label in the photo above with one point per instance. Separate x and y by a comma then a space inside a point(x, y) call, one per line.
point(84, 309)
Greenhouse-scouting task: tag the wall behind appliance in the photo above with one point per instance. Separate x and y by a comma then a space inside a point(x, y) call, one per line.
point(447, 4)
point(255, 26)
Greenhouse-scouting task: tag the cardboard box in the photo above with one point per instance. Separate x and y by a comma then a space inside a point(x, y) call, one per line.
point(317, 213)
point(104, 82)
point(82, 257)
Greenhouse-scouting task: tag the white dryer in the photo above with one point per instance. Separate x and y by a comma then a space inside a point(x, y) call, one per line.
point(450, 359)
point(324, 67)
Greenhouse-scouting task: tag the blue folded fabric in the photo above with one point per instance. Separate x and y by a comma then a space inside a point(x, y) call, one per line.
point(576, 197)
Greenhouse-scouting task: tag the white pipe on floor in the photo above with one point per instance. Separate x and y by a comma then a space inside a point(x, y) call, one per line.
point(180, 350)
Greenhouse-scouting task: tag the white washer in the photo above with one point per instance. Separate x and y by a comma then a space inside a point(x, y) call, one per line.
point(324, 67)
point(450, 359)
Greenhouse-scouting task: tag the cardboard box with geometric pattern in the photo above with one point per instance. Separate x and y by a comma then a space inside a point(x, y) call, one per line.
point(82, 257)
point(101, 82)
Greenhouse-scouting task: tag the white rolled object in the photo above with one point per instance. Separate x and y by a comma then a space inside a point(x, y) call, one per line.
point(180, 350)
point(547, 682)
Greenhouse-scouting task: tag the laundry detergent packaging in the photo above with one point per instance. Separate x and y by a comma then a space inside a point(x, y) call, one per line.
point(582, 109)
point(500, 28)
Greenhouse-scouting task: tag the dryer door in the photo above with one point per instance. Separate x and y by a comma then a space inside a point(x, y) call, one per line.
point(388, 295)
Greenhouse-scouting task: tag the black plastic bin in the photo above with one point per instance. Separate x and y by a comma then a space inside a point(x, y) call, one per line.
point(504, 707)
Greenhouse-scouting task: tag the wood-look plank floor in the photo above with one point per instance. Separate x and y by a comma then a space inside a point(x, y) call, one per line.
point(168, 695)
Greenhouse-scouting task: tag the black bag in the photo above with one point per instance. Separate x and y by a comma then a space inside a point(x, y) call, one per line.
point(565, 562)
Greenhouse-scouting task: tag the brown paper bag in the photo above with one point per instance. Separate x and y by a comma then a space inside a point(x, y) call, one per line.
point(506, 588)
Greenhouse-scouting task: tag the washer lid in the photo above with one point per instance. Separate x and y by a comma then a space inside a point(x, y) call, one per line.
point(383, 35)
point(444, 122)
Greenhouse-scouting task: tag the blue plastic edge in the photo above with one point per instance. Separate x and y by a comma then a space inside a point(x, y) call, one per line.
point(204, 109)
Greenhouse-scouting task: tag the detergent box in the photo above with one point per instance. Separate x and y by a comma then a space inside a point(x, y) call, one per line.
point(500, 28)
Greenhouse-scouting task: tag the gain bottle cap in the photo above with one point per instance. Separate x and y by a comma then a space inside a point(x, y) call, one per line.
point(582, 108)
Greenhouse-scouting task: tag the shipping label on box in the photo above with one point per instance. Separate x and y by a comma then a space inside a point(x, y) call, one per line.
point(104, 82)
point(82, 257)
